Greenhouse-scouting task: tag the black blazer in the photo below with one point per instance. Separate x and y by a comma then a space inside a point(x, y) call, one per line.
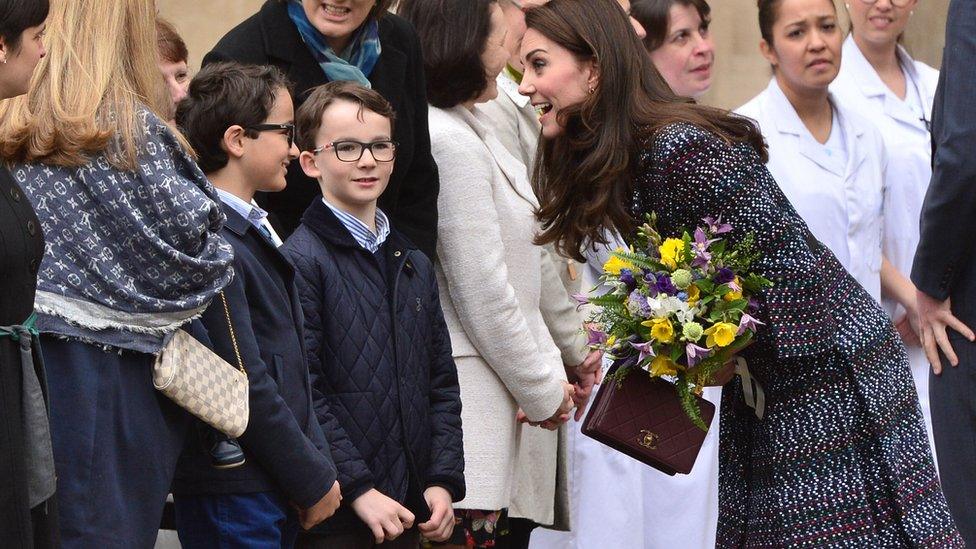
point(944, 262)
point(284, 445)
point(269, 37)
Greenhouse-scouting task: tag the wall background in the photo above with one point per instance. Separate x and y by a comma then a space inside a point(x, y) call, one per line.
point(740, 72)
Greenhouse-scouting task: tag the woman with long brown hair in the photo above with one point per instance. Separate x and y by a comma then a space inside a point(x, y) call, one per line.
point(840, 454)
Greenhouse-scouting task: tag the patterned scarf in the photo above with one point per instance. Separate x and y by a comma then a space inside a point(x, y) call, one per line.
point(131, 255)
point(355, 63)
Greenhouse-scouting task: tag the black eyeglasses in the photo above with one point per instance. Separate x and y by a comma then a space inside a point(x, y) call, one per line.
point(288, 128)
point(895, 3)
point(352, 151)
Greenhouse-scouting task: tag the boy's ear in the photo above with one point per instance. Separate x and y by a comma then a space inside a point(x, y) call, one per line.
point(233, 141)
point(307, 161)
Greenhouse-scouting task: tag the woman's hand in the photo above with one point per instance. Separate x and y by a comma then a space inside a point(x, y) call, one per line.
point(908, 330)
point(562, 413)
point(584, 377)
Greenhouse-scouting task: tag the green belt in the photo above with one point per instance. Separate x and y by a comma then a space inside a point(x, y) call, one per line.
point(17, 331)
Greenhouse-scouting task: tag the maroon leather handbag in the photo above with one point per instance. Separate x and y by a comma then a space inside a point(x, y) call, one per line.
point(642, 417)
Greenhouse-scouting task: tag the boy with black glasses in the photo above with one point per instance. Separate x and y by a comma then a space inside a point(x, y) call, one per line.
point(240, 121)
point(384, 382)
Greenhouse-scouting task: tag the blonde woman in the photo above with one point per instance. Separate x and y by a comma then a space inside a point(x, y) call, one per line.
point(132, 256)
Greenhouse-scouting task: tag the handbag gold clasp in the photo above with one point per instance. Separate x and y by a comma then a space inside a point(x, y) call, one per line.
point(647, 439)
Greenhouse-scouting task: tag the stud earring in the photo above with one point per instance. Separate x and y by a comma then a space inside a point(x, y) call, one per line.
point(590, 91)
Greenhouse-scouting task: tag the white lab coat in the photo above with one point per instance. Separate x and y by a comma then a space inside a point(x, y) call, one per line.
point(843, 207)
point(908, 142)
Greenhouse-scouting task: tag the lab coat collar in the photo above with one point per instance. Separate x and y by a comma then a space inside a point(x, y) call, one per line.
point(872, 86)
point(787, 121)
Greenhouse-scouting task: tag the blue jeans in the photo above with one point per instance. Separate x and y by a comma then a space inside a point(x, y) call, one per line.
point(258, 520)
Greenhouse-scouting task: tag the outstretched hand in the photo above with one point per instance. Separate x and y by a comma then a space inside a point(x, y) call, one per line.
point(934, 319)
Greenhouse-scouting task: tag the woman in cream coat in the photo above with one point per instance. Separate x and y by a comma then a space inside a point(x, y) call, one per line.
point(498, 289)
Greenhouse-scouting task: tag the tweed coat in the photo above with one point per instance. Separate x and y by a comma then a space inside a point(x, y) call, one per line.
point(497, 291)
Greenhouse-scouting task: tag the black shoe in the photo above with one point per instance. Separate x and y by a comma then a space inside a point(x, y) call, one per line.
point(226, 453)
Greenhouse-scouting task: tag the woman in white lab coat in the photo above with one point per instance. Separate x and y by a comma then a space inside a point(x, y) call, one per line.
point(880, 81)
point(829, 161)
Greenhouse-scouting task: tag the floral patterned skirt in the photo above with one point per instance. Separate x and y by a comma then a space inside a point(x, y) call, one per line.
point(476, 528)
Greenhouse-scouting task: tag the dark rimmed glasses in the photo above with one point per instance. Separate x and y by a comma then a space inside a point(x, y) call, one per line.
point(289, 130)
point(352, 151)
point(895, 3)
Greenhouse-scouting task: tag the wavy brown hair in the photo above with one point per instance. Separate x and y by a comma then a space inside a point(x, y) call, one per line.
point(584, 177)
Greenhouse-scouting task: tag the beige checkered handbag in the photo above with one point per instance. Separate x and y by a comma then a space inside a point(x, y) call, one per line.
point(202, 383)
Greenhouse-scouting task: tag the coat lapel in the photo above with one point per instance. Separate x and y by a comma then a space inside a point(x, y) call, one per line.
point(784, 118)
point(516, 174)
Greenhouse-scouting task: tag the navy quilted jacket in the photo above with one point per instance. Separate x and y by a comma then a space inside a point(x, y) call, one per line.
point(384, 384)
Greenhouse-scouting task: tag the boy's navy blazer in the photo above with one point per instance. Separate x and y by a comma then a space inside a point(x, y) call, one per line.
point(384, 382)
point(284, 445)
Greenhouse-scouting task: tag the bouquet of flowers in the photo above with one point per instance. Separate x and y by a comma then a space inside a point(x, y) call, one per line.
point(679, 308)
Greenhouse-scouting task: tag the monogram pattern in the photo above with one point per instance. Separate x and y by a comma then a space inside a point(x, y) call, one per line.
point(201, 382)
point(140, 243)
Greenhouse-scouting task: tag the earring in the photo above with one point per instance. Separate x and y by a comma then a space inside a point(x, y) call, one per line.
point(590, 91)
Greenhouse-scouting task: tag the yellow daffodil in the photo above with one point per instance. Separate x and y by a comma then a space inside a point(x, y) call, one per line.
point(721, 334)
point(694, 294)
point(671, 250)
point(611, 340)
point(663, 366)
point(661, 329)
point(732, 295)
point(615, 264)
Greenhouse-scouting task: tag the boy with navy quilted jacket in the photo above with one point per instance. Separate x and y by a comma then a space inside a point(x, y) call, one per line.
point(384, 383)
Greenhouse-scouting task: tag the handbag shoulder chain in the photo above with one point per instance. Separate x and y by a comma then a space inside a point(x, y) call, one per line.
point(233, 337)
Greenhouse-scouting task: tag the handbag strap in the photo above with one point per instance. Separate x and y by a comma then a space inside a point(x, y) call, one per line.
point(233, 337)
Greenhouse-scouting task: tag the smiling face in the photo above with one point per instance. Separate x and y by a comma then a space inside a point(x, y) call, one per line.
point(881, 23)
point(16, 71)
point(351, 186)
point(265, 157)
point(685, 58)
point(337, 20)
point(554, 79)
point(806, 47)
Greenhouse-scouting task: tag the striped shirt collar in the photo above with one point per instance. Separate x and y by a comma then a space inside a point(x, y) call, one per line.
point(248, 210)
point(360, 231)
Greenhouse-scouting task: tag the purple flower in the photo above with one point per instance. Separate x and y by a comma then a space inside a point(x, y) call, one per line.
point(581, 299)
point(627, 277)
point(650, 278)
point(646, 350)
point(748, 322)
point(637, 305)
point(700, 249)
point(664, 285)
point(715, 226)
point(752, 306)
point(696, 354)
point(595, 336)
point(724, 275)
